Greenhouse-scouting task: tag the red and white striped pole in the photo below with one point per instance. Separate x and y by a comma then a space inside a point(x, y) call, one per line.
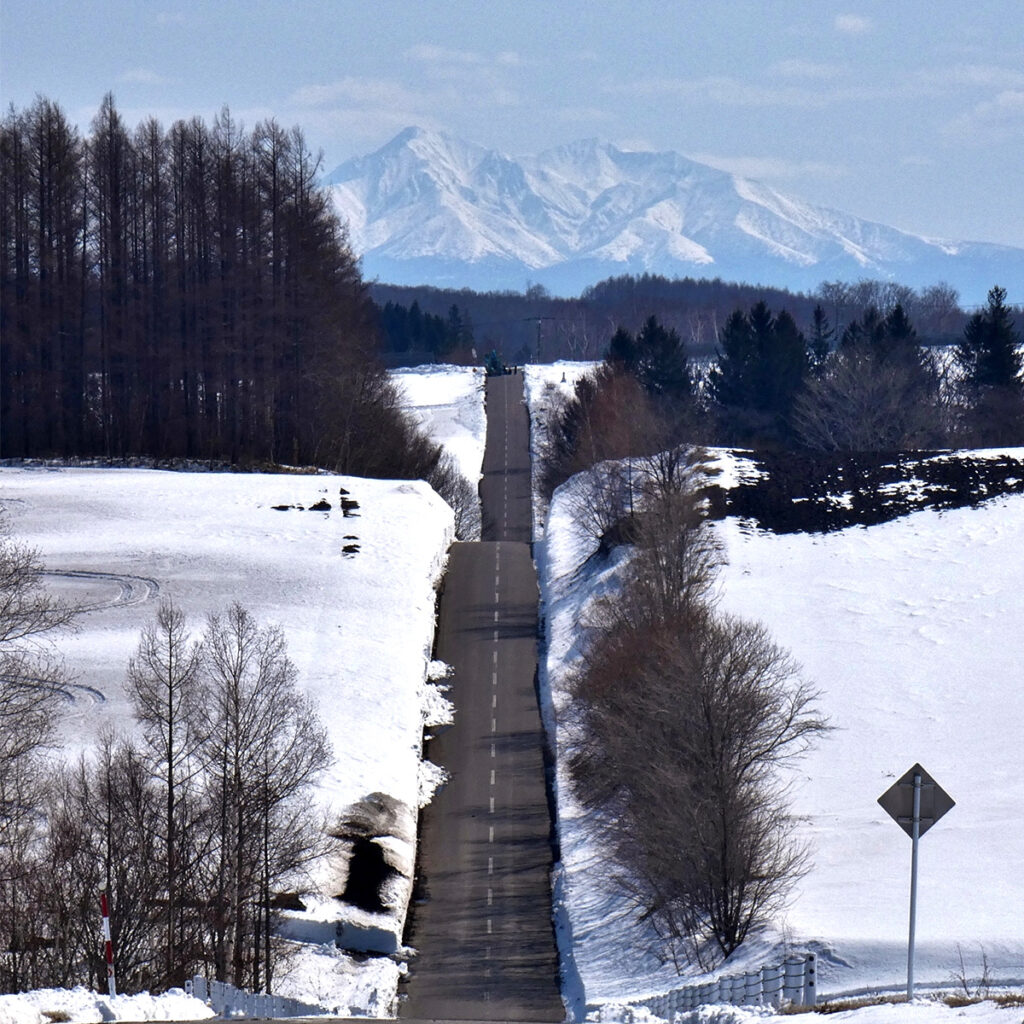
point(109, 946)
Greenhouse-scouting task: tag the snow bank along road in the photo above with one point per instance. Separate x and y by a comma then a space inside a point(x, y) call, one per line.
point(486, 948)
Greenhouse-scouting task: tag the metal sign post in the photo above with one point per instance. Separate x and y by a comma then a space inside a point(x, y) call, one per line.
point(915, 803)
point(915, 837)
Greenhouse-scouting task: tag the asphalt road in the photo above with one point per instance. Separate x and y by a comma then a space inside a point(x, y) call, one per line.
point(482, 923)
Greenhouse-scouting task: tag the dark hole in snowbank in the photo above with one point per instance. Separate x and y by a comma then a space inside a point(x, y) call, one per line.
point(368, 873)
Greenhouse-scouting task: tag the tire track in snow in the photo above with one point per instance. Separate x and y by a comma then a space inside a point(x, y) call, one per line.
point(132, 590)
point(69, 691)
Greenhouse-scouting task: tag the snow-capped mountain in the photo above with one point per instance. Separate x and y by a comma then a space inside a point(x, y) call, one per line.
point(428, 208)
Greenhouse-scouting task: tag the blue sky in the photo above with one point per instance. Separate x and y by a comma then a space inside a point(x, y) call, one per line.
point(902, 111)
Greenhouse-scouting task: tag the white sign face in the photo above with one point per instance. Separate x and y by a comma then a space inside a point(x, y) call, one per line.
point(898, 801)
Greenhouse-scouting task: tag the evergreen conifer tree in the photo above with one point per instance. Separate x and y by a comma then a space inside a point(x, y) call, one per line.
point(989, 352)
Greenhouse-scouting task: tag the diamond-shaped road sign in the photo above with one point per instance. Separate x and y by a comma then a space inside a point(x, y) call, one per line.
point(898, 800)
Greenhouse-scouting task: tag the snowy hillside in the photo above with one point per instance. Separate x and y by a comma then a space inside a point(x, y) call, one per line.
point(428, 208)
point(914, 632)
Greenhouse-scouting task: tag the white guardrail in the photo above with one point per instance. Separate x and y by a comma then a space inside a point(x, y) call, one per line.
point(791, 983)
point(227, 1001)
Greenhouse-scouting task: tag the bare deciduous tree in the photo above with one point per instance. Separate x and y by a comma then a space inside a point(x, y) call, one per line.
point(864, 403)
point(264, 746)
point(683, 718)
point(31, 699)
point(162, 685)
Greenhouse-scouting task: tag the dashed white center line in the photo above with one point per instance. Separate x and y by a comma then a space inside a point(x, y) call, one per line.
point(492, 805)
point(494, 700)
point(490, 865)
point(490, 896)
point(495, 614)
point(490, 833)
point(492, 776)
point(494, 725)
point(492, 750)
point(489, 926)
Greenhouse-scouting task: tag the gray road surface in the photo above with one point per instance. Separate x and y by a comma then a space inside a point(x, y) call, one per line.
point(483, 925)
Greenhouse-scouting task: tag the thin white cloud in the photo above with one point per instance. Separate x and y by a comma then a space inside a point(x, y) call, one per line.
point(143, 76)
point(770, 168)
point(428, 53)
point(853, 24)
point(984, 76)
point(505, 97)
point(720, 89)
point(383, 93)
point(806, 69)
point(165, 18)
point(578, 115)
point(992, 120)
point(511, 59)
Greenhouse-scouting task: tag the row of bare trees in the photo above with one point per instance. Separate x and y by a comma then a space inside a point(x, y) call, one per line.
point(194, 825)
point(187, 292)
point(682, 717)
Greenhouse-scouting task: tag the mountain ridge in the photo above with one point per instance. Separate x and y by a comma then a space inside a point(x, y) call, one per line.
point(430, 208)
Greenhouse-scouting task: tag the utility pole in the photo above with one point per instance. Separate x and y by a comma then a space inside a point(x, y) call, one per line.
point(538, 319)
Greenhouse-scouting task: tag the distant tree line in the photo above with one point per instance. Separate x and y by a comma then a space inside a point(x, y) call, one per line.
point(184, 293)
point(870, 388)
point(195, 827)
point(516, 324)
point(408, 334)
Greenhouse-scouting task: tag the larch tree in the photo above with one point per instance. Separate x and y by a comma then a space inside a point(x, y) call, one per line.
point(163, 686)
point(264, 746)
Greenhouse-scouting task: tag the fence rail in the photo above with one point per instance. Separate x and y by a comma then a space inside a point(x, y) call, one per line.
point(227, 1001)
point(793, 982)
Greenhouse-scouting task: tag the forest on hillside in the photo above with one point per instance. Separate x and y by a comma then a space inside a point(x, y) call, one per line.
point(185, 293)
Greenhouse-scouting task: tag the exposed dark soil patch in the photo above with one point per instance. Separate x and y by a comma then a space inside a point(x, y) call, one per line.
point(816, 493)
point(323, 505)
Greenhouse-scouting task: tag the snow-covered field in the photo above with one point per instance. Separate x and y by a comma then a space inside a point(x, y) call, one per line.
point(359, 625)
point(448, 402)
point(914, 632)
